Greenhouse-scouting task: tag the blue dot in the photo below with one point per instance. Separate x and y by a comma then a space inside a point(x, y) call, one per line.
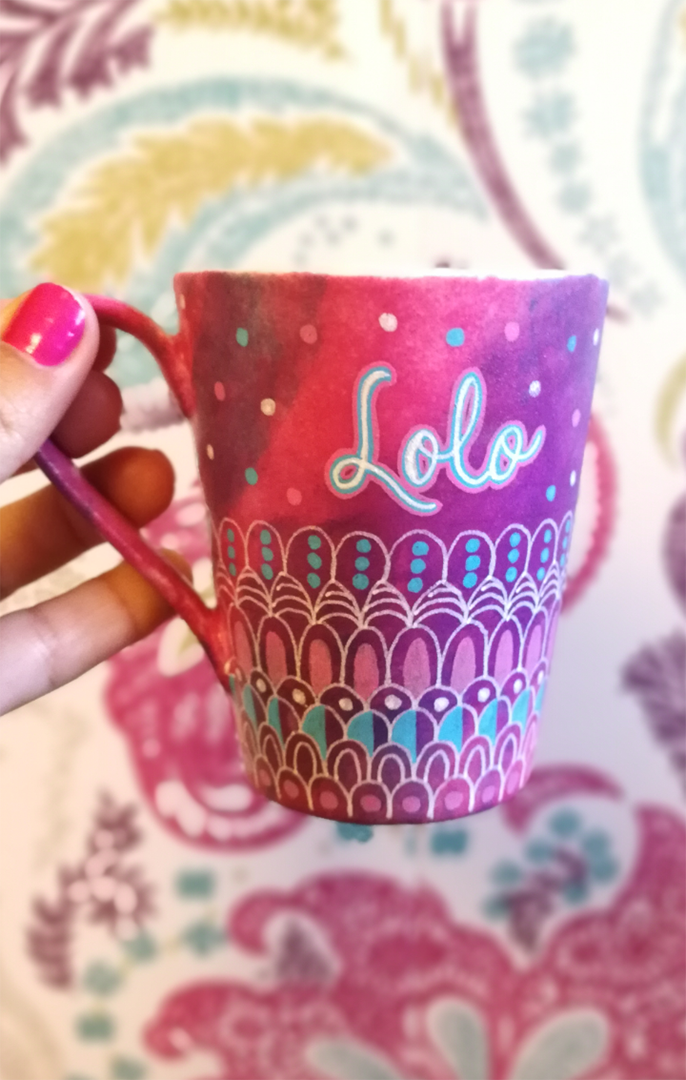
point(232, 569)
point(231, 551)
point(242, 336)
point(417, 565)
point(251, 476)
point(360, 581)
point(515, 539)
point(513, 555)
point(540, 574)
point(568, 524)
point(265, 536)
point(455, 336)
point(550, 493)
point(473, 544)
point(414, 584)
point(314, 542)
point(230, 534)
point(571, 343)
point(363, 545)
point(469, 581)
point(563, 560)
point(565, 541)
point(267, 554)
point(361, 563)
point(510, 573)
point(267, 571)
point(314, 560)
point(547, 536)
point(545, 554)
point(420, 548)
point(314, 580)
point(473, 562)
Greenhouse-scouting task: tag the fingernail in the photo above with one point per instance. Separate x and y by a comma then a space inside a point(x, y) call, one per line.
point(47, 325)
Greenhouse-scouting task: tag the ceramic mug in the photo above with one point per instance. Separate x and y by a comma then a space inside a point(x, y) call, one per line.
point(391, 470)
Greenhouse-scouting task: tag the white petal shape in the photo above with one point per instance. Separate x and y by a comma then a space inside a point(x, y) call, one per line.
point(564, 1048)
point(458, 1031)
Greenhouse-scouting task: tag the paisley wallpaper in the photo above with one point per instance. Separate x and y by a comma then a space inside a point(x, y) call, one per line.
point(161, 920)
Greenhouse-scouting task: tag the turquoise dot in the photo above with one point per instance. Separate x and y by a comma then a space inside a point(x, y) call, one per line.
point(242, 336)
point(563, 560)
point(231, 551)
point(545, 554)
point(565, 542)
point(547, 536)
point(515, 539)
point(267, 554)
point(251, 476)
point(417, 566)
point(360, 581)
point(361, 563)
point(473, 562)
point(314, 580)
point(267, 571)
point(363, 545)
point(550, 493)
point(420, 548)
point(473, 544)
point(571, 343)
point(415, 584)
point(513, 555)
point(230, 534)
point(232, 569)
point(455, 336)
point(265, 536)
point(510, 573)
point(314, 560)
point(315, 542)
point(540, 574)
point(568, 524)
point(469, 581)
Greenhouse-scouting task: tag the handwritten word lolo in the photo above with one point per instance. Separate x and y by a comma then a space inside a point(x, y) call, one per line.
point(422, 454)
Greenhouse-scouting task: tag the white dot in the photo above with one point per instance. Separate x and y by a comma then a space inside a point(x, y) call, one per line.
point(261, 685)
point(517, 685)
point(572, 479)
point(182, 303)
point(576, 417)
point(512, 331)
point(392, 701)
point(209, 450)
point(484, 694)
point(388, 322)
point(441, 703)
point(596, 337)
point(299, 697)
point(535, 388)
point(346, 704)
point(268, 406)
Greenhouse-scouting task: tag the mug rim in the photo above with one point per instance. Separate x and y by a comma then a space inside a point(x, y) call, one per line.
point(411, 275)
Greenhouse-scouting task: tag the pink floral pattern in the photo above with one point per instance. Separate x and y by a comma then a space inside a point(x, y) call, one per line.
point(179, 723)
point(604, 997)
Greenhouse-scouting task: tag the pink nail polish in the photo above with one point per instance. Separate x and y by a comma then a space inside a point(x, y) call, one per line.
point(47, 325)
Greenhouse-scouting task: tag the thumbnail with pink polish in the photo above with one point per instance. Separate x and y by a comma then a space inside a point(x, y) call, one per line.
point(47, 326)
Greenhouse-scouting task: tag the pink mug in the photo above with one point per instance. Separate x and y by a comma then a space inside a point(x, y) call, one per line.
point(391, 469)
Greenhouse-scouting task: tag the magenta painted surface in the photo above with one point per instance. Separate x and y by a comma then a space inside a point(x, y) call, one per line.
point(47, 325)
point(391, 467)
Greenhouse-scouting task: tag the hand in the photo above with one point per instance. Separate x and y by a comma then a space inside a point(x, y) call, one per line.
point(52, 384)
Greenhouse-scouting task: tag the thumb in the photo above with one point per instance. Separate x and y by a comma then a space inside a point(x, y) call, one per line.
point(49, 337)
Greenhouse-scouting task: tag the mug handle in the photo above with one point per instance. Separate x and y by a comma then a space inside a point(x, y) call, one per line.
point(205, 622)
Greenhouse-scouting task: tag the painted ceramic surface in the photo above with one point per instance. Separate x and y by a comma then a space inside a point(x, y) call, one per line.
point(159, 918)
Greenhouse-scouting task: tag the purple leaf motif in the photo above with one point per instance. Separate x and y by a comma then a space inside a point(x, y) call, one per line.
point(52, 46)
point(657, 676)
